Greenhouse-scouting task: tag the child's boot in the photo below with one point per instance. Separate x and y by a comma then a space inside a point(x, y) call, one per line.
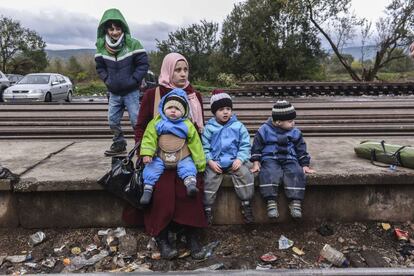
point(247, 212)
point(190, 184)
point(146, 195)
point(209, 215)
point(272, 211)
point(295, 207)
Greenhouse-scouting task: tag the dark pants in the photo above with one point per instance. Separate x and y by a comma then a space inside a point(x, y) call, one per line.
point(274, 173)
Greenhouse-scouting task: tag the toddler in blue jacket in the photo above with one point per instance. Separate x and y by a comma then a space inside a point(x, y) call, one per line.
point(226, 144)
point(279, 155)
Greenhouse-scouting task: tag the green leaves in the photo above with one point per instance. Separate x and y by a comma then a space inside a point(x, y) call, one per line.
point(17, 44)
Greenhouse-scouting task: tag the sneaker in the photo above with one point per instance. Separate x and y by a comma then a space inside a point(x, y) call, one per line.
point(117, 148)
point(247, 213)
point(272, 211)
point(190, 184)
point(146, 195)
point(295, 207)
point(209, 216)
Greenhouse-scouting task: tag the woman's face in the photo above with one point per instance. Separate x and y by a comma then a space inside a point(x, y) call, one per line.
point(180, 75)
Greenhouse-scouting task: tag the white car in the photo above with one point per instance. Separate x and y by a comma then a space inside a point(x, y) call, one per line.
point(40, 87)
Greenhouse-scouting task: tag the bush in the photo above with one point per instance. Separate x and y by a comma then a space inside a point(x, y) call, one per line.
point(227, 80)
point(248, 78)
point(93, 88)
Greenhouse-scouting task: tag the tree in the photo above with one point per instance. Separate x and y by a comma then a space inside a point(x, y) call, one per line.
point(196, 42)
point(73, 68)
point(269, 40)
point(28, 61)
point(393, 31)
point(18, 41)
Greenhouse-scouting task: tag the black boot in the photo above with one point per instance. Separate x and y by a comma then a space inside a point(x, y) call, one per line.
point(192, 243)
point(167, 252)
point(247, 212)
point(7, 174)
point(146, 195)
point(117, 148)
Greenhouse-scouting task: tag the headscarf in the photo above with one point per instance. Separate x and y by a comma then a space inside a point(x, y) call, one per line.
point(167, 70)
point(165, 79)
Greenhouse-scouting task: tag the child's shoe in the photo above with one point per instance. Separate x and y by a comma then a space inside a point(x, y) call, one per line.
point(209, 215)
point(295, 207)
point(190, 184)
point(247, 212)
point(146, 195)
point(272, 211)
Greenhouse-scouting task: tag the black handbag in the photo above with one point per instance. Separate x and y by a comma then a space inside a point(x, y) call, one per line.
point(124, 179)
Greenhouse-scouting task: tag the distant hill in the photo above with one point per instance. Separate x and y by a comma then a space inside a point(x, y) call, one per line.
point(66, 54)
point(356, 51)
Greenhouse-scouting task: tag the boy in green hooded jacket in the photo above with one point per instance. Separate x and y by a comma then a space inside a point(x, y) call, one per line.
point(121, 62)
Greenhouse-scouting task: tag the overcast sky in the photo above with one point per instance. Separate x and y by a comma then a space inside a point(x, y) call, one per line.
point(72, 23)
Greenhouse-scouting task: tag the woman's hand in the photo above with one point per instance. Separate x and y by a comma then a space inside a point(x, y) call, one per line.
point(236, 164)
point(147, 159)
point(215, 166)
point(306, 170)
point(256, 167)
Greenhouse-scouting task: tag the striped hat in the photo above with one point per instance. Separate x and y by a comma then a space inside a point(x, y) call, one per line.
point(283, 111)
point(178, 102)
point(220, 99)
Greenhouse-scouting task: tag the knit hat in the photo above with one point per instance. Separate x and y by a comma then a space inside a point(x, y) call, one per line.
point(283, 111)
point(176, 101)
point(220, 99)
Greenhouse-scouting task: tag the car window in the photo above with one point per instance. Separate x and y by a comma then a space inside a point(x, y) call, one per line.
point(61, 79)
point(35, 79)
point(53, 79)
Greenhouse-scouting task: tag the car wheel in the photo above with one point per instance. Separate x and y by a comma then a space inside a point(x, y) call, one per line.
point(69, 97)
point(48, 97)
point(1, 93)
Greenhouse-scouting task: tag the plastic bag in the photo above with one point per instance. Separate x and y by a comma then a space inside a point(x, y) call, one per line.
point(124, 179)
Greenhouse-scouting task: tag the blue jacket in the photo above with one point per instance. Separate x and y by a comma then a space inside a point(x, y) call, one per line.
point(225, 143)
point(272, 142)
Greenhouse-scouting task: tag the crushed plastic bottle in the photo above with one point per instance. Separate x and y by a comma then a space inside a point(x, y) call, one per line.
point(284, 243)
point(334, 256)
point(209, 248)
point(36, 238)
point(80, 261)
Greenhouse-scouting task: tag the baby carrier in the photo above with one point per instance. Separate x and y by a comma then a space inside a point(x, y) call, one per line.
point(171, 149)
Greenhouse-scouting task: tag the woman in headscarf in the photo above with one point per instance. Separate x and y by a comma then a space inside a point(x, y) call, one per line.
point(171, 209)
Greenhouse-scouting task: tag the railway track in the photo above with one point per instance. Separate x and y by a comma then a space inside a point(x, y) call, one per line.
point(297, 89)
point(333, 117)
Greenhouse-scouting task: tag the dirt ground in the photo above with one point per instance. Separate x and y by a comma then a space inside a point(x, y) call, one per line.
point(239, 247)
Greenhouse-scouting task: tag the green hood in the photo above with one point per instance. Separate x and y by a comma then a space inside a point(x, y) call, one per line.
point(112, 14)
point(131, 43)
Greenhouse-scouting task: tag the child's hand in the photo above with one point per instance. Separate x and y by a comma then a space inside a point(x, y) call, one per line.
point(256, 167)
point(215, 166)
point(147, 159)
point(306, 169)
point(236, 165)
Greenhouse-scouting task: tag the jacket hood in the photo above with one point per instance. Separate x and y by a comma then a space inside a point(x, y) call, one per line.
point(112, 14)
point(269, 122)
point(178, 92)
